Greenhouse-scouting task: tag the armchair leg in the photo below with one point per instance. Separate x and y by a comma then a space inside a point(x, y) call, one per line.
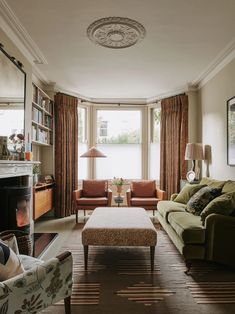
point(152, 251)
point(85, 256)
point(67, 305)
point(76, 216)
point(188, 264)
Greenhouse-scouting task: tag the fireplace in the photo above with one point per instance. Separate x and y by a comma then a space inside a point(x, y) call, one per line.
point(15, 208)
point(15, 196)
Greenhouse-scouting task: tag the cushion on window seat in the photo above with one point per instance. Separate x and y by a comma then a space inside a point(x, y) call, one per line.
point(188, 227)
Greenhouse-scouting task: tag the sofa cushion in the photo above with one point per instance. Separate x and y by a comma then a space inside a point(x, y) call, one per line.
point(92, 201)
point(166, 207)
point(187, 192)
point(10, 265)
point(143, 188)
point(223, 204)
point(188, 227)
point(213, 183)
point(200, 199)
point(141, 201)
point(229, 186)
point(94, 188)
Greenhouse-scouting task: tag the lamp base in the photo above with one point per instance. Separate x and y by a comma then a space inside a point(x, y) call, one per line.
point(191, 175)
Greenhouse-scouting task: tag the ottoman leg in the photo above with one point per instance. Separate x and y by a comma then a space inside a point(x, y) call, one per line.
point(85, 247)
point(152, 251)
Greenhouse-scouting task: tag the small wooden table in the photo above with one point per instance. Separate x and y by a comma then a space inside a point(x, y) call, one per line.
point(118, 199)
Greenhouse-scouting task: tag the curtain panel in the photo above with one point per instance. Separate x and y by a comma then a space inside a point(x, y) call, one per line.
point(66, 153)
point(173, 140)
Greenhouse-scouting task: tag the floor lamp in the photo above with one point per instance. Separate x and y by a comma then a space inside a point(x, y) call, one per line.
point(194, 152)
point(93, 152)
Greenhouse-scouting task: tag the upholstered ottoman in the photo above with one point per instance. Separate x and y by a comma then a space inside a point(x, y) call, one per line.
point(115, 226)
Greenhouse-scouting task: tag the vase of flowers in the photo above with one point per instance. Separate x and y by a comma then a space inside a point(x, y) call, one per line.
point(36, 172)
point(119, 183)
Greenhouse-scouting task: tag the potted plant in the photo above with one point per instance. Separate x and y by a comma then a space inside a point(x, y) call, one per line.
point(36, 172)
point(119, 183)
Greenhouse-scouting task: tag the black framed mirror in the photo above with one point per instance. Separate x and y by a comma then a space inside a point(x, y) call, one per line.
point(231, 131)
point(12, 107)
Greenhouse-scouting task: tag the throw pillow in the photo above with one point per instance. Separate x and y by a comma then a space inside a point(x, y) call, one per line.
point(10, 264)
point(200, 199)
point(187, 192)
point(223, 204)
point(10, 240)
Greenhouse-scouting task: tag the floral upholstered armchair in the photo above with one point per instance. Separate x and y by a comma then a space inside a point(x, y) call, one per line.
point(39, 286)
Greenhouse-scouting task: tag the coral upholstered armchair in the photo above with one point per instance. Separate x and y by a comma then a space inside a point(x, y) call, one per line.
point(144, 194)
point(94, 193)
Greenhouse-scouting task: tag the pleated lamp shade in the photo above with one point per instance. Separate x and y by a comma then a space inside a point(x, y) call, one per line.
point(93, 152)
point(194, 151)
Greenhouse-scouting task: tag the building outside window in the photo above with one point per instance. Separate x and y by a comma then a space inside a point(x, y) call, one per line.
point(119, 137)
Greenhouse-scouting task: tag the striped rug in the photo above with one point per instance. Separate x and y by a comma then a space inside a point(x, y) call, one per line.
point(119, 280)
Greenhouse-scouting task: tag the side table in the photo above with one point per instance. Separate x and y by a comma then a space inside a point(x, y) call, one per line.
point(118, 199)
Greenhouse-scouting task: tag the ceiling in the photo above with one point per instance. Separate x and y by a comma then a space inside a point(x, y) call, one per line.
point(184, 38)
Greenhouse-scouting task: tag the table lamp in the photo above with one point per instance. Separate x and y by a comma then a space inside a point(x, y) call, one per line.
point(194, 152)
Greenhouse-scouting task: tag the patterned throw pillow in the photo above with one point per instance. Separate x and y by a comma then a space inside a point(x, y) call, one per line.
point(10, 264)
point(223, 205)
point(200, 199)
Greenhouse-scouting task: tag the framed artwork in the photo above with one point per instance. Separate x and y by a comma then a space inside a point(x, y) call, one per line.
point(231, 132)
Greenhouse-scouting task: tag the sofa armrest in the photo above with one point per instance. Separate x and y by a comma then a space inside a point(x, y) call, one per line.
point(109, 196)
point(160, 194)
point(77, 194)
point(173, 196)
point(220, 234)
point(128, 197)
point(41, 286)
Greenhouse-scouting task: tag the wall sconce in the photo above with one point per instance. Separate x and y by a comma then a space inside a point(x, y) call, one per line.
point(194, 152)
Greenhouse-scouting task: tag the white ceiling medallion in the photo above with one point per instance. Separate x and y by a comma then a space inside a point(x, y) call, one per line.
point(116, 32)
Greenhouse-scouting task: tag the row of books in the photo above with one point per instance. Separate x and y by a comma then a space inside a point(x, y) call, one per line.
point(37, 115)
point(41, 135)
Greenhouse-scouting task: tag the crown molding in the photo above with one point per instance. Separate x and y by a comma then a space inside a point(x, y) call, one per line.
point(173, 92)
point(222, 59)
point(18, 34)
point(38, 75)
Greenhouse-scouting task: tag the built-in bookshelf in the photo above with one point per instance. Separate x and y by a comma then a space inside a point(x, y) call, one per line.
point(42, 117)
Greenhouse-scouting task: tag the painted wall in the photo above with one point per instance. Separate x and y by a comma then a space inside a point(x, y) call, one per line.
point(12, 50)
point(213, 97)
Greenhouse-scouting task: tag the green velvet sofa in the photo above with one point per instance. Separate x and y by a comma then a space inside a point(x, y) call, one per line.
point(213, 241)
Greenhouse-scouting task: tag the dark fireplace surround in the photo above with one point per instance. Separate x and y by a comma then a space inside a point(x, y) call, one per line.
point(15, 196)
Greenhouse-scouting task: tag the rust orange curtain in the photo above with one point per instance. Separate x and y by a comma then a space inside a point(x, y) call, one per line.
point(173, 140)
point(66, 153)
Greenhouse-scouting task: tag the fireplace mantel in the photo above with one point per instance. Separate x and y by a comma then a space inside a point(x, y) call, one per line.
point(15, 168)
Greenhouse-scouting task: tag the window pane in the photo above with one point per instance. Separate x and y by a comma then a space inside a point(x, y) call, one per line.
point(123, 160)
point(156, 125)
point(82, 162)
point(118, 126)
point(155, 145)
point(81, 125)
point(82, 145)
point(155, 161)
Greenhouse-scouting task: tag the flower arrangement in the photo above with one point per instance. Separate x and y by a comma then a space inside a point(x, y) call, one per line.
point(17, 142)
point(118, 181)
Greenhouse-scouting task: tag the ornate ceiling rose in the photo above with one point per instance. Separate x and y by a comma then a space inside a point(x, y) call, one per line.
point(116, 32)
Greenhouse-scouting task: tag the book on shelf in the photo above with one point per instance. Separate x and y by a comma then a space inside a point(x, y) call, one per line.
point(34, 133)
point(35, 94)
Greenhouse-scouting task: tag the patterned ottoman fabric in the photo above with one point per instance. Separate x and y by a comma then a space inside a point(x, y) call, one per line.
point(119, 227)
